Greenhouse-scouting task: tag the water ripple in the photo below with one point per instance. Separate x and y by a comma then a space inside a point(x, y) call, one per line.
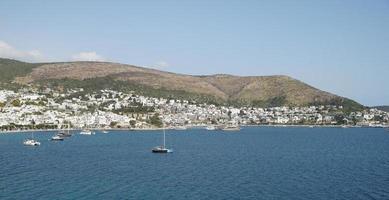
point(255, 163)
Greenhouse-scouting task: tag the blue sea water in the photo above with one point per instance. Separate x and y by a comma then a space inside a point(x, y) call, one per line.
point(255, 163)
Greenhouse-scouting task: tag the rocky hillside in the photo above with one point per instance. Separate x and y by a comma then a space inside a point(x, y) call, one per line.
point(226, 89)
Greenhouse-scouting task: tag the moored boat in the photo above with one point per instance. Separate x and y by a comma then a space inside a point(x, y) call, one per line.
point(162, 148)
point(87, 132)
point(57, 138)
point(210, 128)
point(64, 134)
point(31, 141)
point(231, 128)
point(180, 128)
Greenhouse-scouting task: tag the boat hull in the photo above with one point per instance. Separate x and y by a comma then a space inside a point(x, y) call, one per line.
point(231, 129)
point(160, 151)
point(31, 143)
point(57, 139)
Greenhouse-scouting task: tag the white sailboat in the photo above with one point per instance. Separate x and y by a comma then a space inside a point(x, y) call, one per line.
point(31, 141)
point(231, 127)
point(162, 148)
point(57, 138)
point(61, 135)
point(180, 128)
point(87, 132)
point(64, 134)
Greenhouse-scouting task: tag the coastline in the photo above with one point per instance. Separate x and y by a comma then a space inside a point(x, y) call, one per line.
point(194, 127)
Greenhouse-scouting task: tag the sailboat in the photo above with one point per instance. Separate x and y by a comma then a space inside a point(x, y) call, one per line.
point(162, 148)
point(61, 135)
point(210, 128)
point(87, 131)
point(231, 127)
point(31, 141)
point(57, 138)
point(64, 134)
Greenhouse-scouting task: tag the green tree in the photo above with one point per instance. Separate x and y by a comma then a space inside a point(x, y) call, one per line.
point(155, 120)
point(132, 123)
point(16, 103)
point(113, 124)
point(339, 118)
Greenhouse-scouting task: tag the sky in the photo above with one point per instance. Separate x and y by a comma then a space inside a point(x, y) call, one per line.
point(338, 46)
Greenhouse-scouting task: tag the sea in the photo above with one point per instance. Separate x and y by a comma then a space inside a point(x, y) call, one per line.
point(254, 163)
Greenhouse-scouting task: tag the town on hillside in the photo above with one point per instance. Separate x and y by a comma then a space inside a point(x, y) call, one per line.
point(31, 108)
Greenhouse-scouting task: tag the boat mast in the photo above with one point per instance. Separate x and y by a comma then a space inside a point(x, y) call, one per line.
point(164, 137)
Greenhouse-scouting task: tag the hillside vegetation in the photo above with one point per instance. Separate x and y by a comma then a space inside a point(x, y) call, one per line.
point(263, 91)
point(9, 69)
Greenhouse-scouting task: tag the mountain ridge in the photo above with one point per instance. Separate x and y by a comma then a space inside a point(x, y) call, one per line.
point(225, 88)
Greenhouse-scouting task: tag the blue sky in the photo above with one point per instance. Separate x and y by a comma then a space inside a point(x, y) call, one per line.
point(338, 46)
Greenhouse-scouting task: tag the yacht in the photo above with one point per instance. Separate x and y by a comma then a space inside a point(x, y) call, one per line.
point(57, 138)
point(162, 148)
point(87, 132)
point(31, 141)
point(210, 128)
point(63, 134)
point(231, 128)
point(180, 128)
point(66, 133)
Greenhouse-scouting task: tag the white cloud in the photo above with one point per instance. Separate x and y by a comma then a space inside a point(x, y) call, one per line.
point(8, 51)
point(161, 64)
point(87, 56)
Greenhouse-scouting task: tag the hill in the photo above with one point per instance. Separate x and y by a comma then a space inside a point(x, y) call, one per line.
point(220, 89)
point(383, 108)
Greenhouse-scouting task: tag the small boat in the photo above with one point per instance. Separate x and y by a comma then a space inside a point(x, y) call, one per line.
point(162, 148)
point(87, 132)
point(180, 128)
point(105, 131)
point(31, 141)
point(64, 134)
point(231, 128)
point(57, 138)
point(210, 128)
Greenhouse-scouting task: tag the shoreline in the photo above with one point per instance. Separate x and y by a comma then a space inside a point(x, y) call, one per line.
point(194, 127)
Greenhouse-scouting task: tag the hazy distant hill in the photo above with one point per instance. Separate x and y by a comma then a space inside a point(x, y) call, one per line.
point(225, 89)
point(383, 108)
